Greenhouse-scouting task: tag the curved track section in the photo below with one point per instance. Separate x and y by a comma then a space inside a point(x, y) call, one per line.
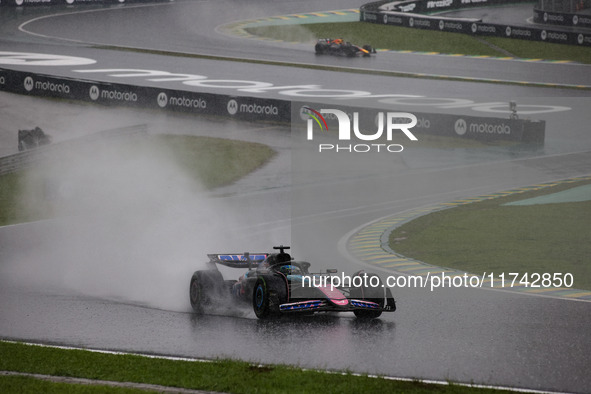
point(80, 282)
point(119, 27)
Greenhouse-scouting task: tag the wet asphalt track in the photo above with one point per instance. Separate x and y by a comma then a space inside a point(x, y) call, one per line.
point(463, 335)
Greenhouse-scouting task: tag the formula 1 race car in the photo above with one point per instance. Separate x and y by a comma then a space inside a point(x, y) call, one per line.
point(276, 285)
point(339, 47)
point(29, 139)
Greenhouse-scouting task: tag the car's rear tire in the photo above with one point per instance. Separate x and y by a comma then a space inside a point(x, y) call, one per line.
point(204, 289)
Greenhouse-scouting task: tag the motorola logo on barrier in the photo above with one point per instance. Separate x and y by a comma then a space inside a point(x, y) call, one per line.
point(462, 127)
point(234, 107)
point(47, 86)
point(197, 103)
point(394, 122)
point(114, 95)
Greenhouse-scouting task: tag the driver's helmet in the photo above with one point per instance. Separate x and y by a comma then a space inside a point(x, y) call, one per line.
point(290, 270)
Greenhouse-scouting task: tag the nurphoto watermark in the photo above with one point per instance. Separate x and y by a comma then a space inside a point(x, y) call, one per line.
point(351, 138)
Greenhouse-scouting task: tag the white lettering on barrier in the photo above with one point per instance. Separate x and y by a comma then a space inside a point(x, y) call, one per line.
point(52, 87)
point(491, 107)
point(229, 84)
point(187, 102)
point(40, 59)
point(325, 93)
point(138, 73)
point(259, 109)
point(317, 91)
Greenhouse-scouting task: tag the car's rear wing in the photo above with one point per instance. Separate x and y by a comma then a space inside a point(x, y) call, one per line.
point(238, 260)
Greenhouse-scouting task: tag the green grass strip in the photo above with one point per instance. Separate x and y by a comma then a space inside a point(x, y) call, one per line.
point(32, 385)
point(222, 375)
point(215, 162)
point(489, 237)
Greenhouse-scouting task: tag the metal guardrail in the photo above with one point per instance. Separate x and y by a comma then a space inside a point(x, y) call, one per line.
point(28, 158)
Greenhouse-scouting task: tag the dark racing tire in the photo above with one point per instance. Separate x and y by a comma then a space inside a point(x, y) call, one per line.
point(319, 49)
point(369, 293)
point(205, 288)
point(269, 292)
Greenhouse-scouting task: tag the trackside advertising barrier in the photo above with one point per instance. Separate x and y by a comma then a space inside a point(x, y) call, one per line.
point(408, 14)
point(429, 6)
point(562, 18)
point(257, 109)
point(245, 108)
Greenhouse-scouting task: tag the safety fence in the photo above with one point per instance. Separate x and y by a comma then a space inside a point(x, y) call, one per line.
point(414, 13)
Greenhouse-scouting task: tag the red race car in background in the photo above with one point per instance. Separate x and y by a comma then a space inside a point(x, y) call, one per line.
point(340, 47)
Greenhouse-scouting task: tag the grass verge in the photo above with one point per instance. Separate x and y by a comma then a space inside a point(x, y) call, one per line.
point(489, 237)
point(212, 162)
point(31, 385)
point(223, 375)
point(215, 162)
point(417, 40)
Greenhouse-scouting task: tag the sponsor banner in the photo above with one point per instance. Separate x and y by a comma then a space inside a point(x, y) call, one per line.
point(38, 85)
point(259, 109)
point(176, 100)
point(484, 129)
point(115, 94)
point(584, 39)
point(251, 108)
point(562, 18)
point(545, 35)
point(244, 108)
point(426, 22)
point(429, 6)
point(475, 27)
point(485, 29)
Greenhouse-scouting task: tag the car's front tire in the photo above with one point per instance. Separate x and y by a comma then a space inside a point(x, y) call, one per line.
point(369, 293)
point(268, 294)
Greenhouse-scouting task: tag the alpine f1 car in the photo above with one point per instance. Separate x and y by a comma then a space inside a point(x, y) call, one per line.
point(274, 284)
point(339, 47)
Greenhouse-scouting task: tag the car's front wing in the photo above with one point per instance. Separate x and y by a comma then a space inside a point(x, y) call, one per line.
point(328, 306)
